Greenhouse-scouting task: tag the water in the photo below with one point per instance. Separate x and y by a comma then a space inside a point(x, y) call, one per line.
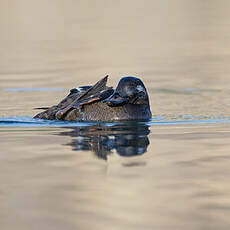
point(171, 172)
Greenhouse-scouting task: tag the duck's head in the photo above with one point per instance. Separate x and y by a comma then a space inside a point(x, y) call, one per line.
point(130, 90)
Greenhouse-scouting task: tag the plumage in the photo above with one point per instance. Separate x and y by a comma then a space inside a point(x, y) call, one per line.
point(129, 101)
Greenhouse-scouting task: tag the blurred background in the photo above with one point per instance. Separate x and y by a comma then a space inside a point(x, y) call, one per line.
point(179, 45)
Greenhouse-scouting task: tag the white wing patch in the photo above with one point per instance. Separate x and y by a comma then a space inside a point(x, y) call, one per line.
point(80, 89)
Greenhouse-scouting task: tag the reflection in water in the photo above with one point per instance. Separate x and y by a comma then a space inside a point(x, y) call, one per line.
point(130, 139)
point(181, 49)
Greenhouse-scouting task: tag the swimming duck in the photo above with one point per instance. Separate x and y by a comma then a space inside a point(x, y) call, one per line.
point(129, 101)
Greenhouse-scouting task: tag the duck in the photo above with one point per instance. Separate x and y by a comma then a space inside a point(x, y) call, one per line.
point(98, 102)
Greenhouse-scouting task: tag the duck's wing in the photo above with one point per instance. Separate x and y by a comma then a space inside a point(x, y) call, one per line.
point(75, 95)
point(42, 108)
point(78, 90)
point(97, 92)
point(94, 90)
point(49, 112)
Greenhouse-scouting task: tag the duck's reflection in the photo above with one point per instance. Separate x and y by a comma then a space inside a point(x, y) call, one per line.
point(126, 139)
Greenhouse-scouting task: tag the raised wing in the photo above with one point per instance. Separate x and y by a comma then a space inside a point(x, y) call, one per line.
point(97, 92)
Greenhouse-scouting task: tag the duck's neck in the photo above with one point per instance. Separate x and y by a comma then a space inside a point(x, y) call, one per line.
point(138, 111)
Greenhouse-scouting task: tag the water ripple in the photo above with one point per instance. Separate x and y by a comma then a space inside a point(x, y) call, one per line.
point(18, 121)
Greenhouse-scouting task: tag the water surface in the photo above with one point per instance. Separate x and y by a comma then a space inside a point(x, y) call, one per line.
point(171, 172)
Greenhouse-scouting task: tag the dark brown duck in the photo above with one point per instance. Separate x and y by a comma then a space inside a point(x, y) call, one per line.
point(129, 101)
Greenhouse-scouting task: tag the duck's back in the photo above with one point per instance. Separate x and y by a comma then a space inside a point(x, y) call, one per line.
point(100, 111)
point(50, 113)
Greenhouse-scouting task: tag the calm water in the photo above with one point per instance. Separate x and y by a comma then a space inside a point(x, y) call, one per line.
point(169, 173)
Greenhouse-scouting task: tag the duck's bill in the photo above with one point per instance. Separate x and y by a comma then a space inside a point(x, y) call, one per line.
point(115, 100)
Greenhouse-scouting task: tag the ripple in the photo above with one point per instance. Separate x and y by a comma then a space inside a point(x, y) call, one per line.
point(23, 121)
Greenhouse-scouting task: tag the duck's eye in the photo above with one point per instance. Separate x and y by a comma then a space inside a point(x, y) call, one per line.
point(141, 91)
point(141, 94)
point(140, 88)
